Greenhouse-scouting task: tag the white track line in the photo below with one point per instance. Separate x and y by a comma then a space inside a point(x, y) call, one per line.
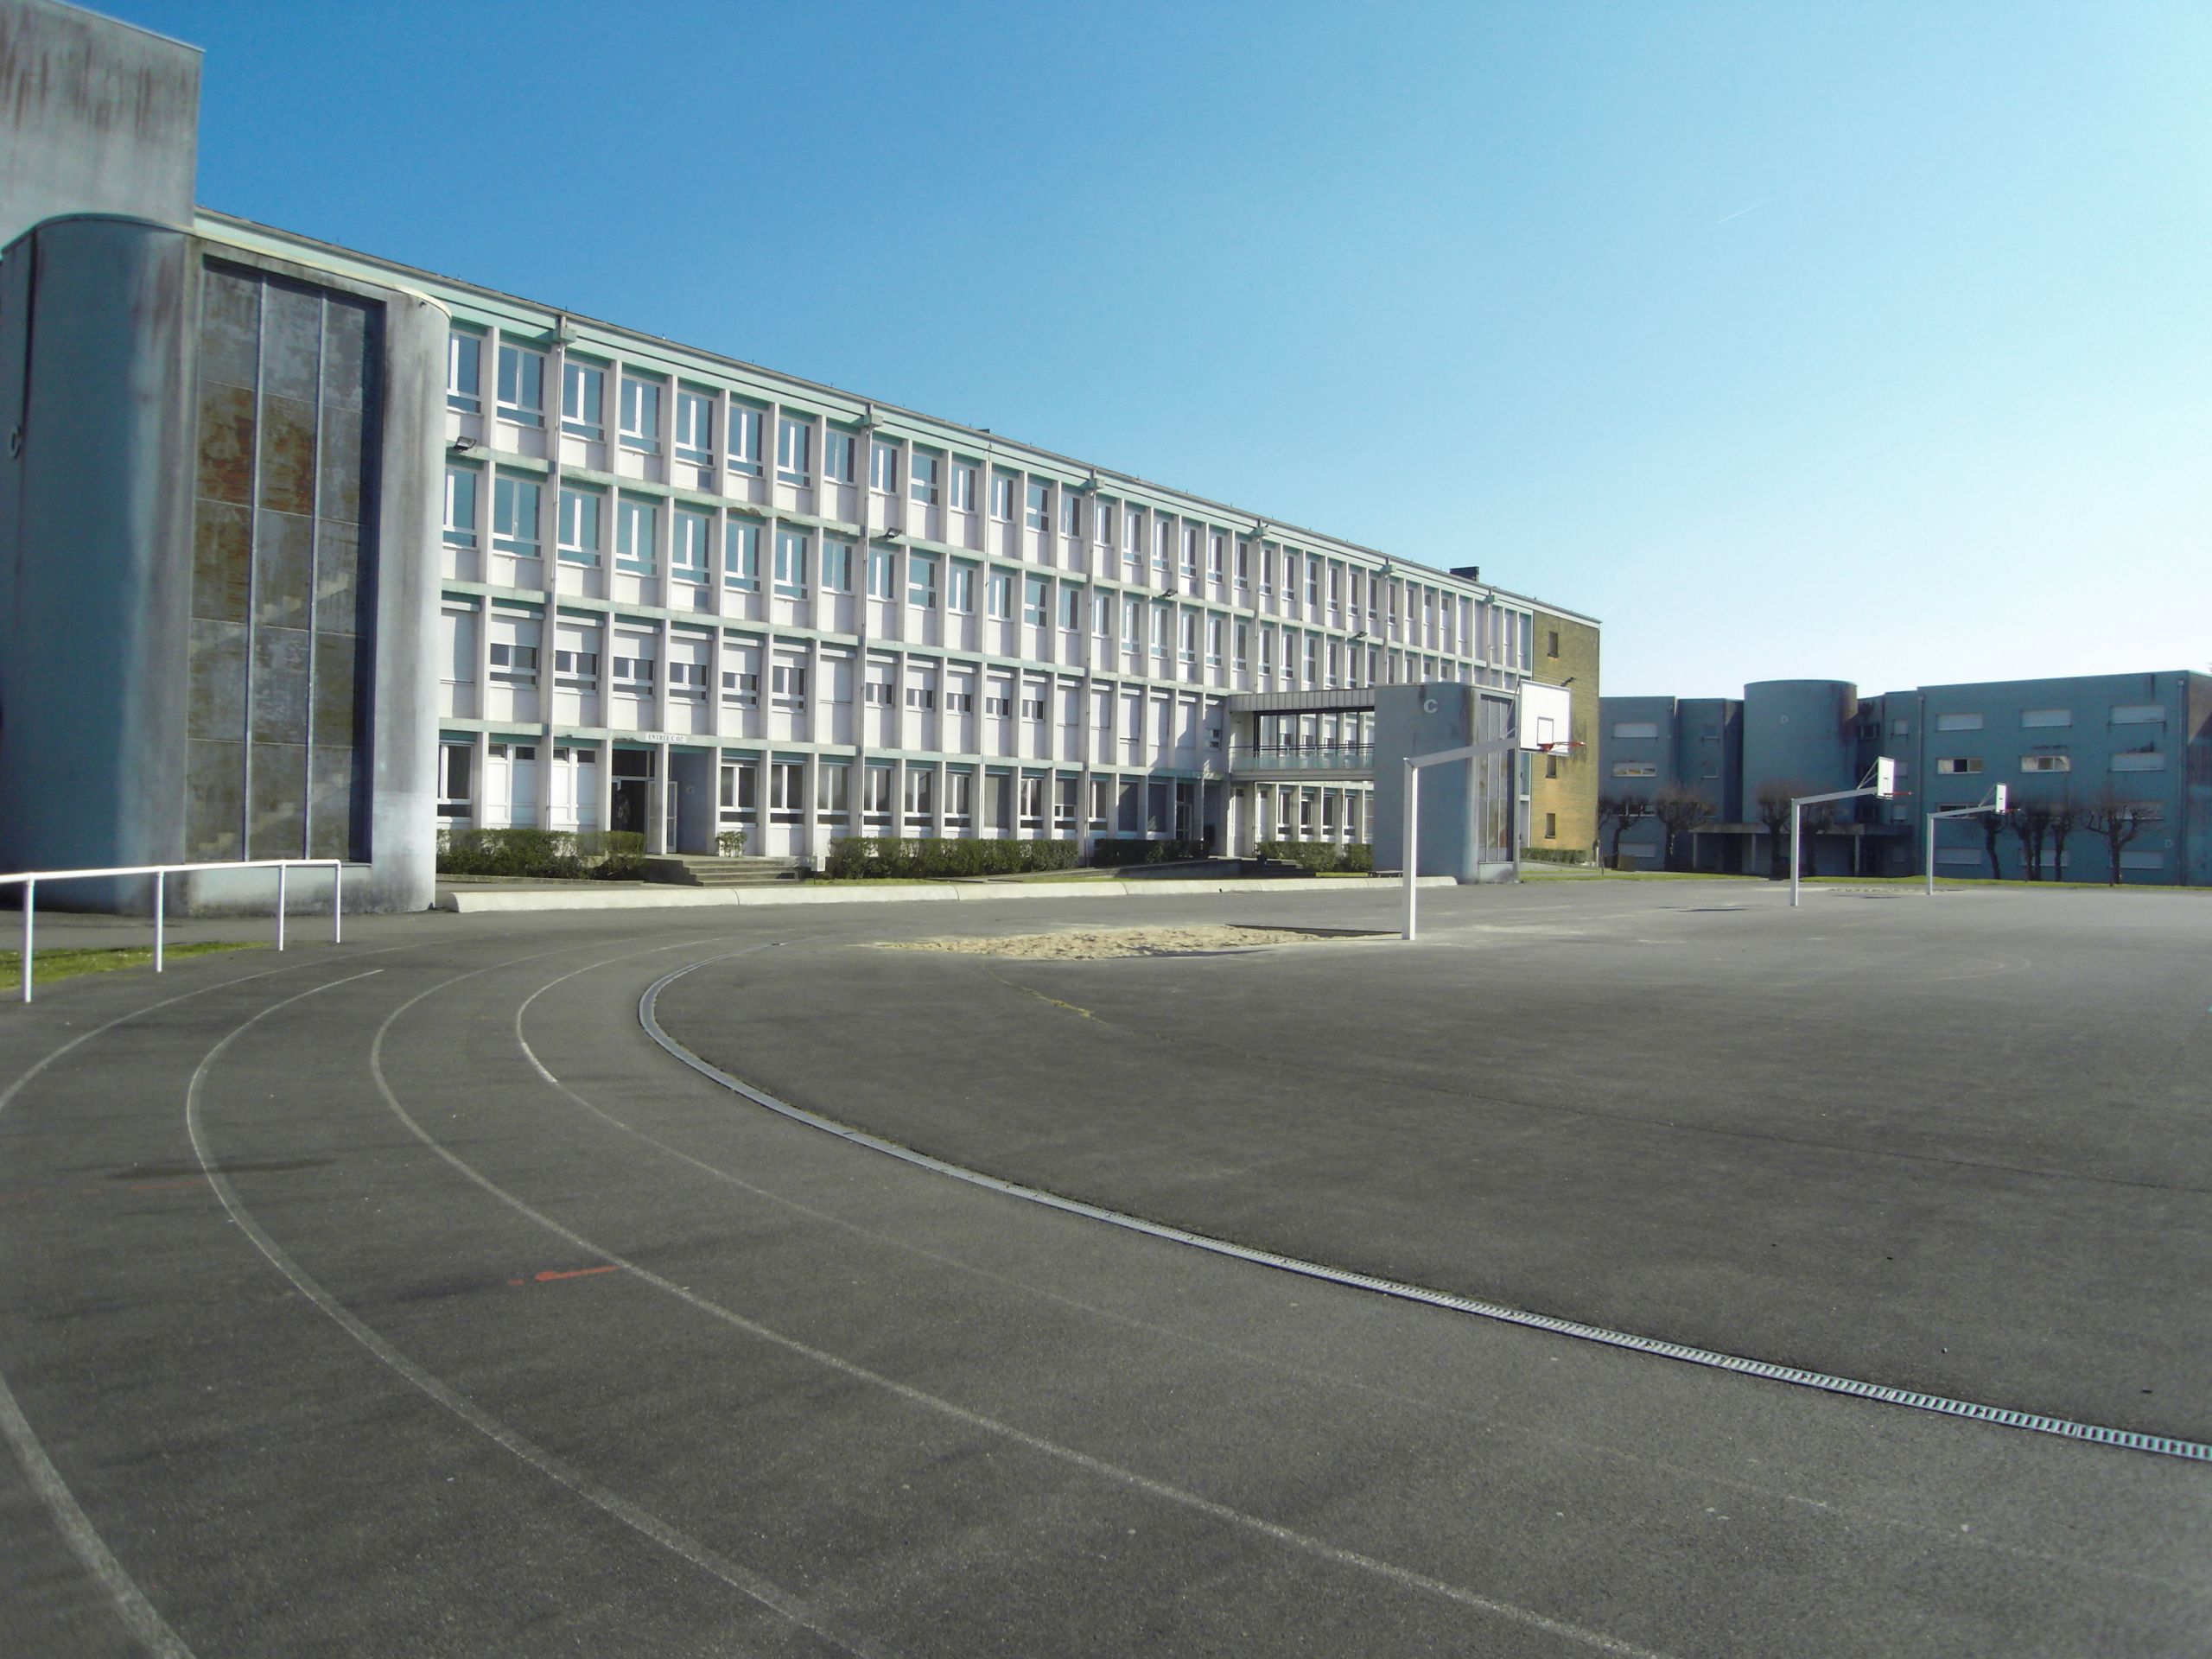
point(1118, 1473)
point(643, 1521)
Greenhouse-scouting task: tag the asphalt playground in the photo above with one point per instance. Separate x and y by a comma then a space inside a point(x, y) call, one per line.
point(1623, 1267)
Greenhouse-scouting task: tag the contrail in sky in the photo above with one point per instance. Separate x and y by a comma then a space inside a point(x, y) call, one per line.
point(1756, 206)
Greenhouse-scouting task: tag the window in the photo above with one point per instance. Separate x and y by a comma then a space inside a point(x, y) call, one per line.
point(1033, 801)
point(787, 790)
point(1635, 769)
point(741, 555)
point(522, 385)
point(692, 532)
point(959, 797)
point(998, 699)
point(787, 686)
point(694, 428)
point(1039, 495)
point(998, 596)
point(1132, 624)
point(640, 428)
point(1551, 819)
point(513, 651)
point(745, 440)
point(460, 506)
point(1958, 722)
point(2046, 717)
point(1551, 650)
point(1160, 546)
point(921, 582)
point(2046, 763)
point(1635, 729)
point(1551, 767)
point(1959, 764)
point(1102, 522)
point(575, 657)
point(1313, 585)
point(687, 675)
point(921, 689)
point(1102, 618)
point(1070, 514)
point(741, 690)
point(1032, 701)
point(794, 450)
point(959, 696)
point(2141, 761)
point(877, 689)
point(2136, 859)
point(633, 666)
point(832, 788)
point(1190, 553)
point(514, 516)
point(1217, 558)
point(790, 564)
point(582, 389)
point(883, 468)
point(2138, 713)
point(882, 583)
point(1071, 606)
point(875, 791)
point(1064, 789)
point(1243, 659)
point(1163, 618)
point(464, 373)
point(737, 790)
point(455, 762)
point(1187, 644)
point(836, 566)
point(960, 588)
point(963, 487)
point(637, 526)
point(1900, 729)
point(1002, 497)
point(1215, 628)
point(923, 482)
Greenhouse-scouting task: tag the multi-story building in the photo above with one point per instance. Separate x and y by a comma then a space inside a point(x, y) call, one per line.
point(2069, 751)
point(357, 550)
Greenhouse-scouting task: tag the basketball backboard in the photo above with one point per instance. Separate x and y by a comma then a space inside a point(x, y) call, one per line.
point(1543, 715)
point(1885, 778)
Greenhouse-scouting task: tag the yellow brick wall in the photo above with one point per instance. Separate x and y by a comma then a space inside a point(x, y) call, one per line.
point(1572, 797)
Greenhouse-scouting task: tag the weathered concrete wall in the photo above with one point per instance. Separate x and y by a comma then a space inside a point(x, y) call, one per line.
point(95, 116)
point(94, 544)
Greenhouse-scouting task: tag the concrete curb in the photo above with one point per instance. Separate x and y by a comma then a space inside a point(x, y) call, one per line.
point(471, 901)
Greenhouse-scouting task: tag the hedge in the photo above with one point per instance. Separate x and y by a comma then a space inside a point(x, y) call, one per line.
point(1555, 854)
point(1131, 849)
point(894, 857)
point(1323, 857)
point(568, 854)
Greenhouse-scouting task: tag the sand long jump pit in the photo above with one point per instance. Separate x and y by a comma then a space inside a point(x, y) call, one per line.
point(1103, 944)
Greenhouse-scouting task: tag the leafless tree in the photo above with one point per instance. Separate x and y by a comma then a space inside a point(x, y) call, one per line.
point(1621, 810)
point(1680, 810)
point(1992, 830)
point(2031, 821)
point(2117, 821)
point(2065, 819)
point(1773, 801)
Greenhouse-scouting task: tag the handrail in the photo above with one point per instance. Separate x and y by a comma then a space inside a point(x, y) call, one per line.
point(28, 881)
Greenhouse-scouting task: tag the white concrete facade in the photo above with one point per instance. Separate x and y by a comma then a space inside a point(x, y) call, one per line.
point(692, 597)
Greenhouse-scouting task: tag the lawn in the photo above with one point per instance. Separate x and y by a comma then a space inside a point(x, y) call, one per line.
point(51, 965)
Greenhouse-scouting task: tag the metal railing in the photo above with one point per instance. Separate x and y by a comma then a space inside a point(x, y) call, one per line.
point(1302, 757)
point(28, 881)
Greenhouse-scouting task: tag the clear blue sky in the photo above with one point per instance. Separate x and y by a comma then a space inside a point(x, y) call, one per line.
point(1870, 341)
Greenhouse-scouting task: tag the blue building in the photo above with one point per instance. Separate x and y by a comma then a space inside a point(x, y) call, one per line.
point(2132, 751)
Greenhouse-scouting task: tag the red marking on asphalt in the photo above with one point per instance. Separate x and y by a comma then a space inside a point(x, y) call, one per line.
point(552, 1274)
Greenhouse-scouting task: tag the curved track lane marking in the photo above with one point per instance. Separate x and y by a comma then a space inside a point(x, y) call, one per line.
point(1116, 1473)
point(1327, 1379)
point(2003, 1416)
point(131, 1604)
point(740, 1578)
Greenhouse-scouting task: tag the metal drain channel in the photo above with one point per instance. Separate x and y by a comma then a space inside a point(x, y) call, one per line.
point(2098, 1434)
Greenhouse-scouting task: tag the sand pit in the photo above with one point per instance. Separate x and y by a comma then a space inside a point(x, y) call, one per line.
point(1096, 943)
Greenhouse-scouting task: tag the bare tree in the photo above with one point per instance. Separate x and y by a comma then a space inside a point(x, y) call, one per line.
point(1620, 811)
point(1680, 810)
point(2031, 821)
point(2117, 821)
point(2065, 819)
point(1773, 800)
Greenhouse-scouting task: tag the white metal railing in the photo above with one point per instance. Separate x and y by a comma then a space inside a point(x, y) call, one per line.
point(28, 881)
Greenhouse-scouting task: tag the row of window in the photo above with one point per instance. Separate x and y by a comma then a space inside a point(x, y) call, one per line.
point(932, 477)
point(2124, 714)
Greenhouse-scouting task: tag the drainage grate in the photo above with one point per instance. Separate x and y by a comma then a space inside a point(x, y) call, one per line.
point(2165, 1445)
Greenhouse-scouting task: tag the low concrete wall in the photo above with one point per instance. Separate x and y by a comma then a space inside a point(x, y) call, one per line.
point(484, 901)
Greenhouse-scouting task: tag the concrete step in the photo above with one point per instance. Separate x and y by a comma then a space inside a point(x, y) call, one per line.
point(698, 870)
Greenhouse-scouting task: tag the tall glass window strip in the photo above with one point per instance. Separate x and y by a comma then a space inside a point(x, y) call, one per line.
point(637, 525)
point(514, 516)
point(794, 450)
point(741, 555)
point(744, 441)
point(694, 428)
point(581, 512)
point(790, 564)
point(464, 373)
point(460, 506)
point(692, 533)
point(583, 390)
point(640, 416)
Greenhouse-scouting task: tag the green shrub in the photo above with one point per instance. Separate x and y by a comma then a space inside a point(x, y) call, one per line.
point(561, 854)
point(1110, 852)
point(730, 843)
point(1555, 854)
point(1322, 857)
point(928, 858)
